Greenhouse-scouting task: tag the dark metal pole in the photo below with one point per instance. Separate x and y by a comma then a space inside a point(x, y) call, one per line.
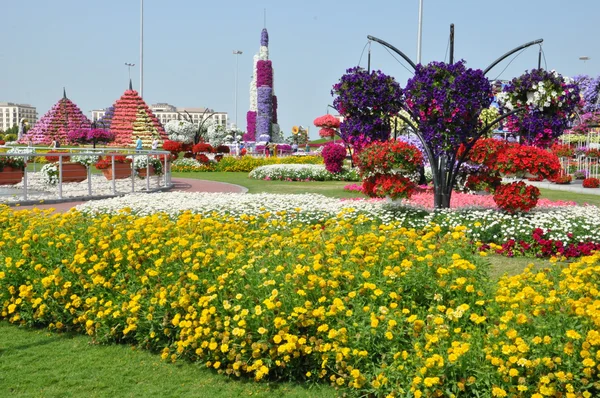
point(540, 58)
point(451, 43)
point(369, 60)
point(511, 52)
point(394, 49)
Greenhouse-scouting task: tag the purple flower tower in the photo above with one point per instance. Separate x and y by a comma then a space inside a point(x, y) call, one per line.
point(261, 118)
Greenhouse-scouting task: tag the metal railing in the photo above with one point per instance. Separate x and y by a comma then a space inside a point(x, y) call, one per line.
point(100, 187)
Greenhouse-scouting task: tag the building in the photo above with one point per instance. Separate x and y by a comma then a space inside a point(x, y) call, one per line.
point(11, 114)
point(166, 112)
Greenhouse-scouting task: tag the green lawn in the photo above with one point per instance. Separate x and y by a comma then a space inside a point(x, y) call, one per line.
point(35, 363)
point(327, 188)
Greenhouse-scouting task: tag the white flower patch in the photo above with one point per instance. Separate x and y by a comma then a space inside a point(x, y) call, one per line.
point(300, 172)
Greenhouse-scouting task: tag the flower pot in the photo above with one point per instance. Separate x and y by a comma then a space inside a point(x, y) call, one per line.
point(11, 176)
point(122, 170)
point(142, 172)
point(73, 172)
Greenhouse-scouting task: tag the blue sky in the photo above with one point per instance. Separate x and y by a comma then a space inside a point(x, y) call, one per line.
point(188, 61)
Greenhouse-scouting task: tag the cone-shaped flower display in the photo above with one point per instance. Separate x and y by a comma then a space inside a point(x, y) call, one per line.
point(63, 117)
point(105, 121)
point(132, 118)
point(262, 117)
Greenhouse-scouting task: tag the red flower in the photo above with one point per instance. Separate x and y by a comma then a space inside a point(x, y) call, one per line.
point(591, 183)
point(516, 196)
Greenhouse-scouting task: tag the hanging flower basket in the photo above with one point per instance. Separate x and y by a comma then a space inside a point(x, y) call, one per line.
point(516, 197)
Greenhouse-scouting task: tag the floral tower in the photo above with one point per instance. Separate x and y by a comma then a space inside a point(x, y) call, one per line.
point(262, 116)
point(63, 117)
point(132, 118)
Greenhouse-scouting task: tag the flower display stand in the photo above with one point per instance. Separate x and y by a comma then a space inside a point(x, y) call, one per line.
point(142, 172)
point(11, 176)
point(122, 170)
point(73, 172)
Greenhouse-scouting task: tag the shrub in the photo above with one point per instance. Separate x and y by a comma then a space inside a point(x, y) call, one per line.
point(591, 183)
point(334, 155)
point(10, 137)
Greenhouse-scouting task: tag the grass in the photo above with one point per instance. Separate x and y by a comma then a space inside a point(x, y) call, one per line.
point(35, 363)
point(328, 188)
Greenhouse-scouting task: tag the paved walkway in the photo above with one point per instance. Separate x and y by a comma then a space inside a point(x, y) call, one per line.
point(179, 184)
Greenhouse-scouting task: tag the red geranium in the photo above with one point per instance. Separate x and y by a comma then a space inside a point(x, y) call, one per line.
point(383, 157)
point(562, 150)
point(523, 159)
point(516, 196)
point(394, 186)
point(591, 183)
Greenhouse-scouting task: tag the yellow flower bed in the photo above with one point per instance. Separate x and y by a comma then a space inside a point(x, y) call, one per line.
point(373, 309)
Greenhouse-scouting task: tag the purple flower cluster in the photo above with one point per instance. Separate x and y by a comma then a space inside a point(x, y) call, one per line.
point(541, 126)
point(264, 74)
point(263, 125)
point(105, 121)
point(251, 121)
point(264, 100)
point(590, 91)
point(274, 114)
point(366, 100)
point(264, 38)
point(445, 101)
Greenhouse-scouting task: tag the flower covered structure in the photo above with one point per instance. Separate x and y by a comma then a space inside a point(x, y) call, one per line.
point(261, 119)
point(133, 118)
point(63, 117)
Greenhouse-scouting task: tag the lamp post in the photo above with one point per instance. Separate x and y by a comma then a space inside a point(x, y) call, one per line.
point(129, 68)
point(236, 53)
point(142, 48)
point(420, 31)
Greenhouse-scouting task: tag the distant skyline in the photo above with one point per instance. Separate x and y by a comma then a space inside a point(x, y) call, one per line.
point(188, 47)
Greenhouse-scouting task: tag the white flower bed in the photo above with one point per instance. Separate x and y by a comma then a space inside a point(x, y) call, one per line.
point(567, 224)
point(300, 172)
point(38, 189)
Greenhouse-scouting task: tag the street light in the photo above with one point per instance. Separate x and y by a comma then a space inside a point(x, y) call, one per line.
point(236, 53)
point(584, 58)
point(129, 68)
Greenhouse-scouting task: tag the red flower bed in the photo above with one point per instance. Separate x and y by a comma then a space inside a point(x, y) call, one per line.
point(394, 186)
point(202, 147)
point(106, 162)
point(563, 179)
point(562, 150)
point(519, 159)
point(539, 246)
point(173, 146)
point(591, 183)
point(382, 157)
point(54, 159)
point(516, 196)
point(202, 158)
